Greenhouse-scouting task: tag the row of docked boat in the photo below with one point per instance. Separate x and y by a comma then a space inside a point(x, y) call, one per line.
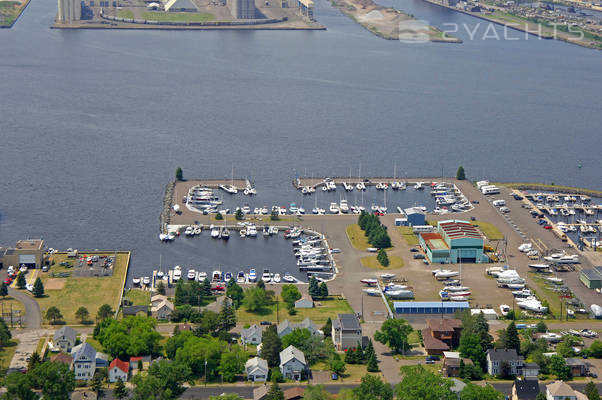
point(216, 277)
point(220, 232)
point(312, 256)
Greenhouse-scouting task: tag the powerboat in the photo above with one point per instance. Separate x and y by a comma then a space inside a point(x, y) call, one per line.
point(372, 292)
point(216, 276)
point(344, 207)
point(177, 273)
point(225, 235)
point(400, 294)
point(231, 189)
point(392, 287)
point(560, 258)
point(243, 233)
point(441, 274)
point(240, 277)
point(228, 276)
point(146, 281)
point(418, 186)
point(386, 276)
point(455, 288)
point(189, 231)
point(266, 231)
point(334, 208)
point(532, 304)
point(191, 274)
point(539, 267)
point(504, 309)
point(369, 281)
point(360, 186)
point(215, 233)
point(446, 295)
point(202, 276)
point(136, 281)
point(289, 278)
point(252, 231)
point(276, 278)
point(515, 286)
point(555, 280)
point(252, 275)
point(525, 247)
point(266, 276)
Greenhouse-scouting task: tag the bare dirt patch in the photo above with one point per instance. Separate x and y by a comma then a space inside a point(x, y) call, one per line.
point(55, 284)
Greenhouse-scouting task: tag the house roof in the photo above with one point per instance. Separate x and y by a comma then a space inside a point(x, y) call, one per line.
point(434, 241)
point(526, 389)
point(294, 393)
point(531, 366)
point(283, 326)
point(574, 362)
point(307, 323)
point(502, 354)
point(304, 298)
point(457, 229)
point(291, 352)
point(451, 354)
point(559, 388)
point(257, 362)
point(431, 343)
point(349, 322)
point(162, 304)
point(66, 331)
point(250, 331)
point(453, 362)
point(158, 297)
point(443, 324)
point(133, 310)
point(124, 366)
point(85, 349)
point(261, 392)
point(62, 357)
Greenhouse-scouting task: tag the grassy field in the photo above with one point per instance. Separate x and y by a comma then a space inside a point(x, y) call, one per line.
point(138, 297)
point(7, 353)
point(94, 343)
point(8, 302)
point(371, 262)
point(125, 14)
point(357, 237)
point(180, 17)
point(490, 231)
point(319, 314)
point(408, 235)
point(353, 372)
point(89, 292)
point(542, 292)
point(9, 11)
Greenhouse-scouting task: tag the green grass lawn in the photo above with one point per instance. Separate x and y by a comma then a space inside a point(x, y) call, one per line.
point(6, 354)
point(319, 314)
point(371, 262)
point(94, 343)
point(9, 11)
point(90, 292)
point(353, 372)
point(490, 231)
point(125, 14)
point(138, 297)
point(179, 17)
point(408, 235)
point(551, 296)
point(8, 303)
point(357, 237)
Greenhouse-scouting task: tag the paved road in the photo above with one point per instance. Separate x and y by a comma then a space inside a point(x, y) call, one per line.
point(33, 315)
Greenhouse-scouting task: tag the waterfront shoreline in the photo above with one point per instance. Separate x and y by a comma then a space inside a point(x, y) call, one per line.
point(187, 28)
point(19, 13)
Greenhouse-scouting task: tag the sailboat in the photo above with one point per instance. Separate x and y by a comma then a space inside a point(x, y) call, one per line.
point(230, 188)
point(395, 185)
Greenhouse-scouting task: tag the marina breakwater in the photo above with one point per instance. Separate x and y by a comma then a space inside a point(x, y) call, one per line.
point(164, 218)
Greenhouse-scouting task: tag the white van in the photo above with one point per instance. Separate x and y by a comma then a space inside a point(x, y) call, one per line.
point(499, 203)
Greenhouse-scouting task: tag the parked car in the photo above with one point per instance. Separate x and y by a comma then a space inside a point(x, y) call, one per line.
point(45, 268)
point(414, 250)
point(265, 323)
point(547, 227)
point(433, 358)
point(8, 281)
point(334, 376)
point(418, 256)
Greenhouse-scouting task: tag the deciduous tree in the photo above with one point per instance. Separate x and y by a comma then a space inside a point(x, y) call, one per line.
point(418, 383)
point(394, 333)
point(373, 388)
point(53, 314)
point(82, 314)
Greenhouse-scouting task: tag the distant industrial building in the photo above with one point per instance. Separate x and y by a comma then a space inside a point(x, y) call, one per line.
point(414, 216)
point(69, 11)
point(30, 253)
point(429, 307)
point(306, 8)
point(454, 242)
point(242, 9)
point(181, 6)
point(592, 278)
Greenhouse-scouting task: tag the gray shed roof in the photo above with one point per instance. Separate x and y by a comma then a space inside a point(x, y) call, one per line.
point(250, 331)
point(348, 322)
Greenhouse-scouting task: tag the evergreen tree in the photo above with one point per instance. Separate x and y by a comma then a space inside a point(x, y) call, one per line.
point(206, 288)
point(383, 258)
point(275, 393)
point(181, 295)
point(369, 351)
point(96, 385)
point(239, 215)
point(161, 288)
point(179, 174)
point(323, 290)
point(541, 327)
point(21, 282)
point(271, 346)
point(512, 341)
point(219, 216)
point(38, 288)
point(53, 314)
point(372, 365)
point(227, 316)
point(3, 290)
point(235, 293)
point(327, 328)
point(460, 175)
point(5, 334)
point(120, 391)
point(274, 216)
point(591, 391)
point(260, 284)
point(314, 289)
point(34, 360)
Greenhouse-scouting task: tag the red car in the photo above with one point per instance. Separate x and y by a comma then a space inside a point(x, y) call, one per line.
point(547, 227)
point(218, 288)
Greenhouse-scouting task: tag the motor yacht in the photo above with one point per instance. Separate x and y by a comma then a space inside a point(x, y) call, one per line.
point(136, 281)
point(202, 276)
point(266, 276)
point(191, 274)
point(277, 278)
point(240, 277)
point(334, 208)
point(289, 278)
point(177, 273)
point(215, 233)
point(369, 281)
point(146, 280)
point(225, 234)
point(216, 276)
point(252, 275)
point(344, 207)
point(227, 276)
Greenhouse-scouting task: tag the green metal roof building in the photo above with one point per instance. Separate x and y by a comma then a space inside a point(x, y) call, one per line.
point(455, 242)
point(592, 278)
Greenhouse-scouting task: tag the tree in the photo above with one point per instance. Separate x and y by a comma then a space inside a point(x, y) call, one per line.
point(171, 376)
point(179, 174)
point(383, 258)
point(239, 215)
point(55, 379)
point(232, 363)
point(271, 346)
point(541, 327)
point(5, 334)
point(296, 338)
point(275, 393)
point(274, 216)
point(558, 367)
point(160, 288)
point(470, 347)
point(255, 299)
point(323, 290)
point(205, 288)
point(290, 294)
point(82, 314)
point(373, 388)
point(317, 392)
point(131, 336)
point(96, 385)
point(227, 316)
point(53, 314)
point(595, 350)
point(38, 288)
point(511, 340)
point(104, 312)
point(34, 361)
point(475, 392)
point(3, 290)
point(565, 347)
point(314, 289)
point(219, 216)
point(327, 328)
point(591, 391)
point(372, 365)
point(120, 391)
point(18, 387)
point(336, 365)
point(460, 175)
point(394, 333)
point(419, 383)
point(235, 293)
point(541, 396)
point(149, 388)
point(21, 282)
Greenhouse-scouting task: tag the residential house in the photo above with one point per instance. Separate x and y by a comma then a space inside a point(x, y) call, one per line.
point(496, 359)
point(525, 389)
point(530, 370)
point(102, 360)
point(162, 309)
point(62, 358)
point(577, 366)
point(292, 363)
point(346, 331)
point(251, 335)
point(65, 338)
point(261, 393)
point(561, 391)
point(84, 361)
point(452, 362)
point(294, 393)
point(119, 370)
point(441, 334)
point(135, 310)
point(257, 369)
point(156, 299)
point(143, 361)
point(286, 327)
point(304, 302)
